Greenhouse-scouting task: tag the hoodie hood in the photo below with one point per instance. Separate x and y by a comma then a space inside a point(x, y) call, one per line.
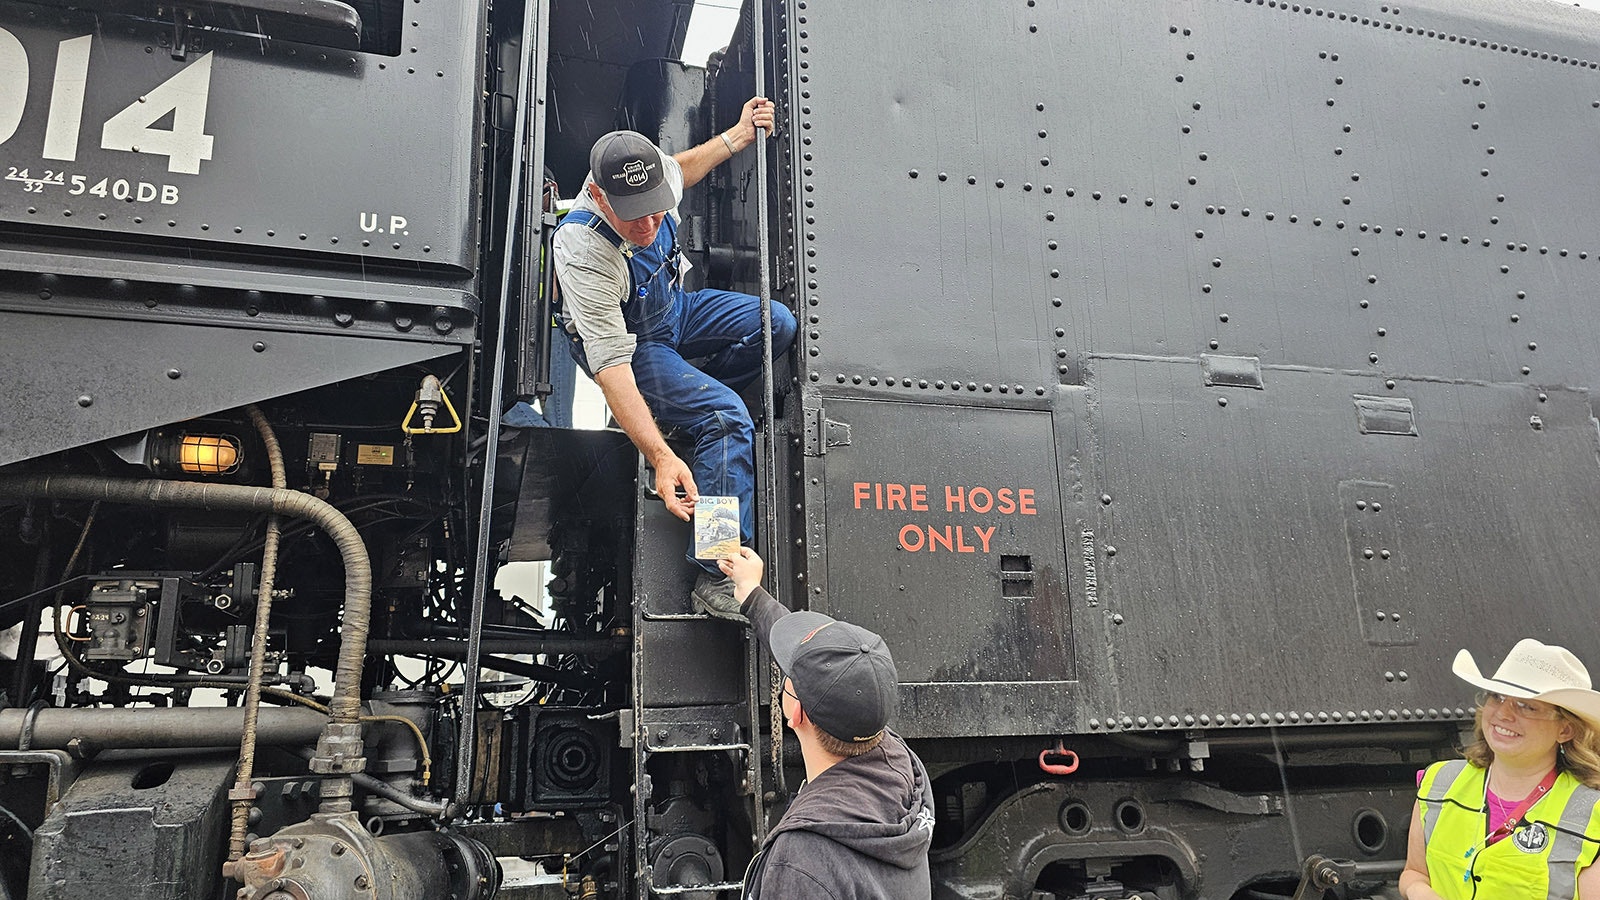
point(879, 804)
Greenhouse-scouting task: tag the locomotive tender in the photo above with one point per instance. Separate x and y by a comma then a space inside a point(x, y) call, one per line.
point(1179, 384)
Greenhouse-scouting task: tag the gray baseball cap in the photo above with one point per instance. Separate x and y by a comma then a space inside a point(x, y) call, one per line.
point(629, 170)
point(842, 673)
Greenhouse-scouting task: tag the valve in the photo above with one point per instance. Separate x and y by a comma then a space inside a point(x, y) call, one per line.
point(429, 400)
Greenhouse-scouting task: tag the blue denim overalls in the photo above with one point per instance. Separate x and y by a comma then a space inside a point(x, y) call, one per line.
point(719, 329)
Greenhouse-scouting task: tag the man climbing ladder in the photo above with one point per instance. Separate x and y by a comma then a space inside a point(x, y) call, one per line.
point(633, 327)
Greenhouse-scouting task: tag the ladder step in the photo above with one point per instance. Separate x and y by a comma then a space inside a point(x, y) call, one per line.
point(697, 748)
point(696, 888)
point(685, 729)
point(675, 617)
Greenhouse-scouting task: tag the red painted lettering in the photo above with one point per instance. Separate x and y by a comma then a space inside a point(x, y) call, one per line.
point(1004, 505)
point(961, 541)
point(896, 496)
point(877, 494)
point(908, 534)
point(861, 492)
point(954, 498)
point(987, 500)
point(919, 497)
point(984, 535)
point(940, 536)
point(1025, 502)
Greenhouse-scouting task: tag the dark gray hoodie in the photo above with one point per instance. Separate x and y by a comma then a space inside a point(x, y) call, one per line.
point(859, 831)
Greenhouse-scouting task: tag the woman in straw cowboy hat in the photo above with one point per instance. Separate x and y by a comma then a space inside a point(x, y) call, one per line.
point(1519, 817)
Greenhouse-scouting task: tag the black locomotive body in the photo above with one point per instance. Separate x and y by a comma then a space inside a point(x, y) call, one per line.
point(1179, 385)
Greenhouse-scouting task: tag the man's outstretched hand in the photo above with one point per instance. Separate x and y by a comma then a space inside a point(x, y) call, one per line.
point(745, 571)
point(672, 474)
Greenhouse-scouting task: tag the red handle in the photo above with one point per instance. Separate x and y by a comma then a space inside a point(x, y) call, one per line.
point(1050, 768)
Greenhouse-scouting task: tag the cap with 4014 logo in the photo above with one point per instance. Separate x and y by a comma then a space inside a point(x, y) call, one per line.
point(629, 169)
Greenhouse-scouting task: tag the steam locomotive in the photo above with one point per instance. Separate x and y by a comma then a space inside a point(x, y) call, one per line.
point(1179, 385)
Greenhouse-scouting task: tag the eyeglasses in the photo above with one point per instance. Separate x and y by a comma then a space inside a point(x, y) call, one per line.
point(1543, 711)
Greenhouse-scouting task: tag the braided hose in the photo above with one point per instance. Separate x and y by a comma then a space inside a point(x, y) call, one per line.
point(345, 708)
point(243, 794)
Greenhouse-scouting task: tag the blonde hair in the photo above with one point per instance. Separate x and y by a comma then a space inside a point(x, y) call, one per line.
point(846, 749)
point(1579, 756)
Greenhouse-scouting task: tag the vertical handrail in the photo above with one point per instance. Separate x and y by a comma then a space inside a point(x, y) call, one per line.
point(534, 30)
point(769, 455)
point(769, 512)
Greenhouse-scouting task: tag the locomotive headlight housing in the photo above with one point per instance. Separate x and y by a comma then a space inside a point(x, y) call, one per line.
point(208, 454)
point(182, 453)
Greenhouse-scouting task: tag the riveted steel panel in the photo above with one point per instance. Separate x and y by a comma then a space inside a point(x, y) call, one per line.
point(1375, 215)
point(151, 373)
point(243, 141)
point(1386, 189)
point(1387, 613)
point(952, 523)
point(1248, 540)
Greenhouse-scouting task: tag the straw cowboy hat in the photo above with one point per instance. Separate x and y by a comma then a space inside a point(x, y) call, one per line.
point(1537, 671)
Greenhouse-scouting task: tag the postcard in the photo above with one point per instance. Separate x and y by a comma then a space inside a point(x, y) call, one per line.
point(716, 527)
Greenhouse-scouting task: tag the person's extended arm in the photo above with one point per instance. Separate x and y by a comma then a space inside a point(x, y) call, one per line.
point(1414, 881)
point(745, 571)
point(633, 414)
point(697, 162)
point(594, 278)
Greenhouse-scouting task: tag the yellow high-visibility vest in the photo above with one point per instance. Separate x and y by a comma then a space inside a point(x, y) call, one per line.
point(1541, 859)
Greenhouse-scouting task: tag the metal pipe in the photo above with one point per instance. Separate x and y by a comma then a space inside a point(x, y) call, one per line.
point(769, 454)
point(494, 351)
point(486, 659)
point(28, 639)
point(435, 808)
point(243, 794)
point(116, 729)
point(451, 648)
point(438, 809)
point(340, 749)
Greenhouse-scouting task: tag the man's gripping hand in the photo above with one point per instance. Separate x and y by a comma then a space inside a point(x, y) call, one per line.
point(672, 474)
point(757, 113)
point(745, 571)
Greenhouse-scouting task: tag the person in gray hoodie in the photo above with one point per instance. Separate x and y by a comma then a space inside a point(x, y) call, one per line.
point(860, 826)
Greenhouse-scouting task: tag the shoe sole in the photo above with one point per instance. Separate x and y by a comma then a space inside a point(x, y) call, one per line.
point(708, 609)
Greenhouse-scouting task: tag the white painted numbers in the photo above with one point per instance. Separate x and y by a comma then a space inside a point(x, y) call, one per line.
point(13, 83)
point(123, 189)
point(66, 99)
point(183, 96)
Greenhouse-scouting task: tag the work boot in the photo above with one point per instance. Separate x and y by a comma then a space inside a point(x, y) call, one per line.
point(713, 595)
